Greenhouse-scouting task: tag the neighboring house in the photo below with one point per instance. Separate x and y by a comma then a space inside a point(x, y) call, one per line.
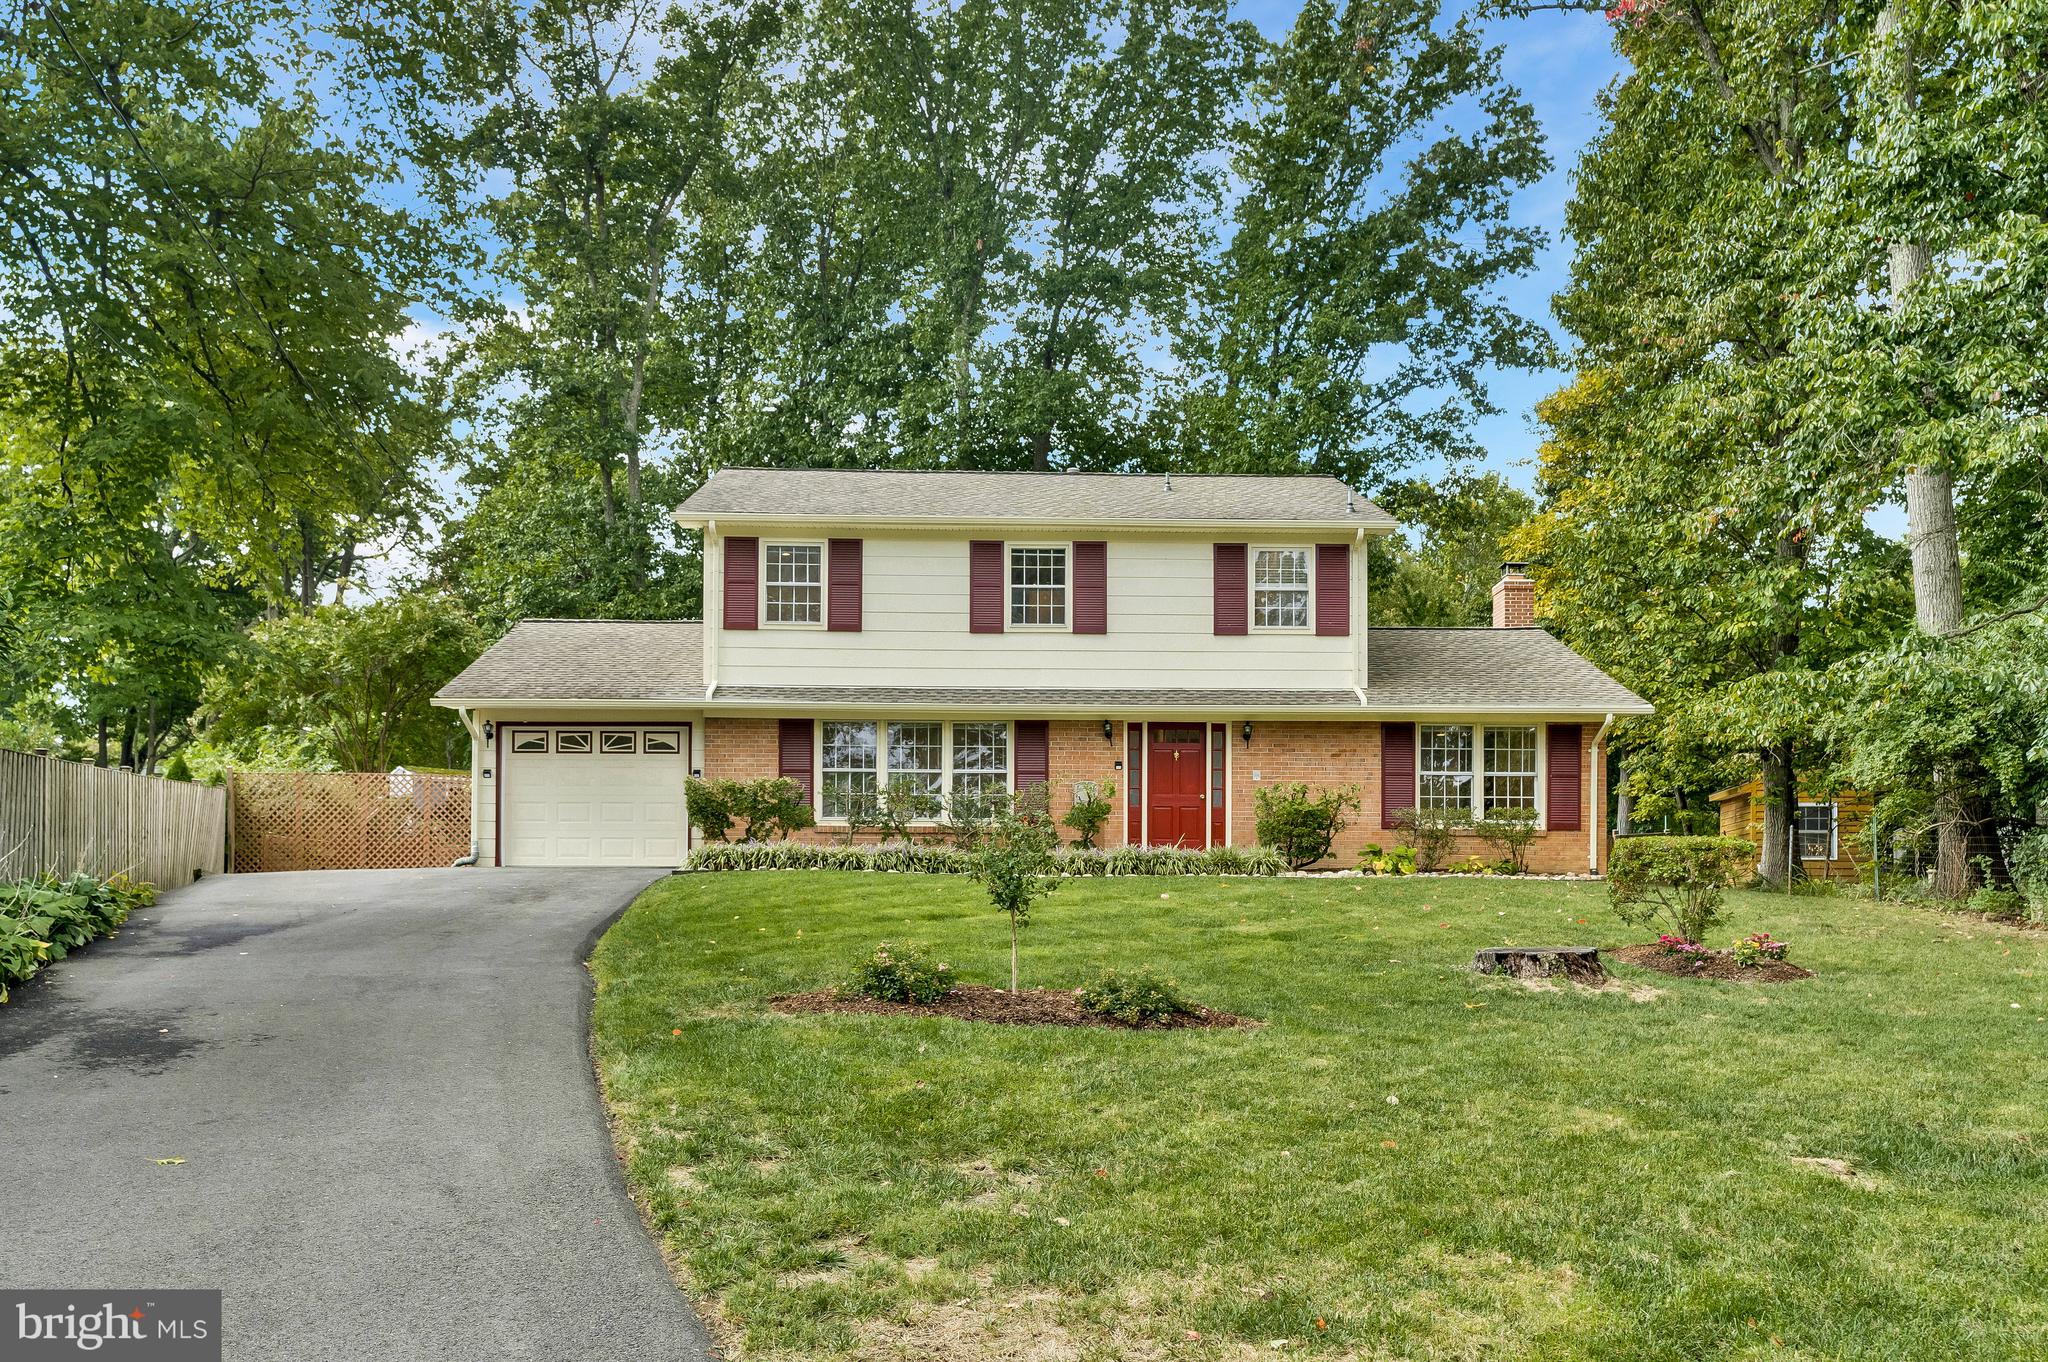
point(1829, 833)
point(1192, 640)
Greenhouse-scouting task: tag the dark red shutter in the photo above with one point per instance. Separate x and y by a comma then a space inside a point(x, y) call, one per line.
point(1397, 770)
point(1029, 764)
point(743, 583)
point(1231, 615)
point(1333, 590)
point(985, 587)
point(1091, 588)
point(842, 591)
point(1134, 784)
point(1567, 766)
point(793, 752)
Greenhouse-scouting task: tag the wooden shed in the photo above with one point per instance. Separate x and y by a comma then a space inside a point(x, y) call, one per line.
point(1830, 827)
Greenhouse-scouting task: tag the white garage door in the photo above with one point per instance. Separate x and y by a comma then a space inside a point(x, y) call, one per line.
point(593, 795)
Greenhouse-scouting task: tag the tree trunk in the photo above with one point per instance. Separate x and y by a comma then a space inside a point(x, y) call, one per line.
point(1013, 952)
point(1931, 535)
point(1781, 804)
point(149, 743)
point(1624, 806)
point(128, 741)
point(103, 740)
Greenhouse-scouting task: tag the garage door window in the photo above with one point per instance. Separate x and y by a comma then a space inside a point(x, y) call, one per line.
point(566, 743)
point(624, 744)
point(530, 742)
point(661, 743)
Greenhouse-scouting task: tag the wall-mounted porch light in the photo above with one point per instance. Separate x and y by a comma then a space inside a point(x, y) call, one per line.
point(1108, 732)
point(1247, 732)
point(490, 730)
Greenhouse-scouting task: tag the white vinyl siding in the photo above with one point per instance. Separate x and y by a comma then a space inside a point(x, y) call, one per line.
point(1161, 631)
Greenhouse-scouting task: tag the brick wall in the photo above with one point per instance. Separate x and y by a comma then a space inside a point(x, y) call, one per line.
point(1321, 754)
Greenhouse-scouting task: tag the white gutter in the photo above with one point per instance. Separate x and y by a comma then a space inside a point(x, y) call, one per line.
point(771, 519)
point(476, 738)
point(1598, 822)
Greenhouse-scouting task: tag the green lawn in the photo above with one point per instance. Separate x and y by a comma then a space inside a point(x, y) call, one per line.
point(1564, 1175)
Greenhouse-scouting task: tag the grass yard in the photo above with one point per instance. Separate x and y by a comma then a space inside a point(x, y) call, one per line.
point(1407, 1161)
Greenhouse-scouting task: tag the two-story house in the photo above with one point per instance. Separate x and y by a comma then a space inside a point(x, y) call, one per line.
point(1189, 640)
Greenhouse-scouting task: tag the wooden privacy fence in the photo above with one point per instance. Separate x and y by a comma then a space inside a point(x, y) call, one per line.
point(68, 816)
point(347, 820)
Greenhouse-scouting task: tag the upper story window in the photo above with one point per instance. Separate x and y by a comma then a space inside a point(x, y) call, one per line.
point(1280, 589)
point(793, 583)
point(1038, 587)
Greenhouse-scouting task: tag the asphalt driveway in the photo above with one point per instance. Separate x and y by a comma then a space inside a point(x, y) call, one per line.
point(380, 1087)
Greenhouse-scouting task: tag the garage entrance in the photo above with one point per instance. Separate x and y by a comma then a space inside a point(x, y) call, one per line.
point(592, 794)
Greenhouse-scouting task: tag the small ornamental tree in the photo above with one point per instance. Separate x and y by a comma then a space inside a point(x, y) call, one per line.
point(1301, 824)
point(1433, 833)
point(1013, 859)
point(1679, 880)
point(1093, 804)
point(1510, 831)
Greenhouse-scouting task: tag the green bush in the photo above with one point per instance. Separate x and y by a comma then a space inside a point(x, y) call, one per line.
point(1138, 997)
point(762, 810)
point(1299, 823)
point(1092, 806)
point(901, 974)
point(1433, 833)
point(1679, 880)
point(1510, 831)
point(1399, 861)
point(178, 768)
point(45, 918)
point(2028, 862)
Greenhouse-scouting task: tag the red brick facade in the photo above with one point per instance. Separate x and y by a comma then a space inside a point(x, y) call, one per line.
point(1320, 753)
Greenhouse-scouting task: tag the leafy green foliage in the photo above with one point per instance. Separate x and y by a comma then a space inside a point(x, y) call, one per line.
point(1459, 525)
point(1675, 879)
point(1434, 832)
point(1014, 862)
point(1094, 802)
point(901, 974)
point(759, 810)
point(1757, 948)
point(1510, 832)
point(1135, 997)
point(355, 679)
point(2028, 861)
point(1374, 860)
point(1299, 823)
point(46, 918)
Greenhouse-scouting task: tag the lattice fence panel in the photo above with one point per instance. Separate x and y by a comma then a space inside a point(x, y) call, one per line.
point(344, 820)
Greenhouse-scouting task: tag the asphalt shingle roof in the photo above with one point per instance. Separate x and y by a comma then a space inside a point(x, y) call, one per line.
point(847, 494)
point(1409, 670)
point(588, 660)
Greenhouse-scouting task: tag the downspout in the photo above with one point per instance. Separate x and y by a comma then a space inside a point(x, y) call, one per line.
point(1598, 822)
point(476, 739)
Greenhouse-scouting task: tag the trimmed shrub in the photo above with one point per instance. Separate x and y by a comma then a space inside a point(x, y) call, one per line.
point(1299, 823)
point(1136, 997)
point(1675, 879)
point(1092, 806)
point(1433, 833)
point(761, 810)
point(2028, 862)
point(1510, 831)
point(901, 974)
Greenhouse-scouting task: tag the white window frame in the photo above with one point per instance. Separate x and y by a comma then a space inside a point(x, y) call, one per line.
point(1251, 588)
point(1834, 830)
point(1534, 774)
point(1473, 774)
point(1476, 805)
point(947, 770)
point(824, 584)
point(1066, 624)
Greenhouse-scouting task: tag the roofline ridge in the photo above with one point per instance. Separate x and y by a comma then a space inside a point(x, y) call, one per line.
point(1022, 472)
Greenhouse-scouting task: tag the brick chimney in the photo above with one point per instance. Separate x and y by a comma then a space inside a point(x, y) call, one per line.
point(1514, 598)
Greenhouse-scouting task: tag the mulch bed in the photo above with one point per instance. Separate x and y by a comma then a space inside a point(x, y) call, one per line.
point(1712, 965)
point(979, 1002)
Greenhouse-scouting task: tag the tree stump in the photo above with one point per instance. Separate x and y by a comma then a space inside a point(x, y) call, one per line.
point(1580, 964)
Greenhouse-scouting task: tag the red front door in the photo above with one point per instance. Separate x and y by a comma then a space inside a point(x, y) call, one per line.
point(1178, 806)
